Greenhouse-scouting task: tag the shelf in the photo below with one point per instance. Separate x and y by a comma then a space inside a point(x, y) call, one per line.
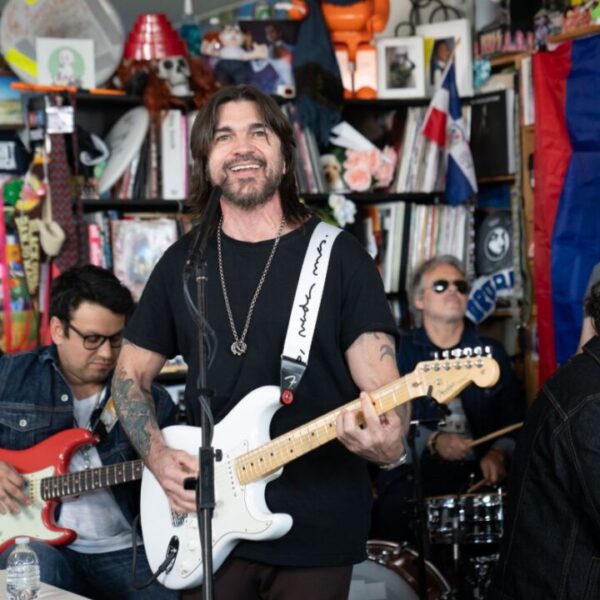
point(104, 99)
point(498, 179)
point(573, 34)
point(135, 205)
point(510, 58)
point(385, 102)
point(376, 197)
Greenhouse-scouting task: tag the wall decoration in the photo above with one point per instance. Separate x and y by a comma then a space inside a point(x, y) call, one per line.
point(400, 68)
point(440, 40)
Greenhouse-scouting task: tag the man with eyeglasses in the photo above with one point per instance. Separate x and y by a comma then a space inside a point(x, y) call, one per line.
point(66, 385)
point(438, 295)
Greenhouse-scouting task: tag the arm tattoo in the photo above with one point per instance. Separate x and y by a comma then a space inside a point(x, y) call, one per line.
point(387, 346)
point(136, 411)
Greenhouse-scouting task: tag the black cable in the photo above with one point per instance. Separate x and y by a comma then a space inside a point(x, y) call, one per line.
point(166, 565)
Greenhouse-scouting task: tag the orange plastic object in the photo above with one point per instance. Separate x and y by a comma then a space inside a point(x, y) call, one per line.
point(352, 29)
point(298, 11)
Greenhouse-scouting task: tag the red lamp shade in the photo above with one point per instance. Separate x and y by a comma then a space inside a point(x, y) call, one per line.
point(153, 37)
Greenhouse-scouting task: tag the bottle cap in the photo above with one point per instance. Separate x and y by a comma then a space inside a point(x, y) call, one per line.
point(22, 540)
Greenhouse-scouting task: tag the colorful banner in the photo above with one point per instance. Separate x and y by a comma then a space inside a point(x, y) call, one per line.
point(567, 205)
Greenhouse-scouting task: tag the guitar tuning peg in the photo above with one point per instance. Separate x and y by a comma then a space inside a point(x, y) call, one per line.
point(457, 353)
point(436, 356)
point(445, 354)
point(468, 352)
point(488, 350)
point(477, 351)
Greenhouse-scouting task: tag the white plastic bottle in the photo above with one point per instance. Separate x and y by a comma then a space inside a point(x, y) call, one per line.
point(22, 572)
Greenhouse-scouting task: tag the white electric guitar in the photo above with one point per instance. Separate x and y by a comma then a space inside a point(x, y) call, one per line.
point(250, 460)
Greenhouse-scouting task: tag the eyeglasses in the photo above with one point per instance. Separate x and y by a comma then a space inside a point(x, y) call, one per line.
point(441, 285)
point(93, 341)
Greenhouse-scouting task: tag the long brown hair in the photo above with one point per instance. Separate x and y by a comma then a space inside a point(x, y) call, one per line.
point(202, 136)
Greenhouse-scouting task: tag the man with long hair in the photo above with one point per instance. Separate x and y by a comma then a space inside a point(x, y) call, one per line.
point(243, 143)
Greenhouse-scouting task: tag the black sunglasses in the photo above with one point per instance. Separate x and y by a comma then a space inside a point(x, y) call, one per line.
point(93, 341)
point(441, 285)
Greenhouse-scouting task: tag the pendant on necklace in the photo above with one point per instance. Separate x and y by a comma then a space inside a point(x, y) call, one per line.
point(238, 348)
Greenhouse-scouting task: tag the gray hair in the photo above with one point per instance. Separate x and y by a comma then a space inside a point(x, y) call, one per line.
point(415, 289)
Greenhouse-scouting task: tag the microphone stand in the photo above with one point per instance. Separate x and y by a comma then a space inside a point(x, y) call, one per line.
point(423, 547)
point(205, 483)
point(421, 515)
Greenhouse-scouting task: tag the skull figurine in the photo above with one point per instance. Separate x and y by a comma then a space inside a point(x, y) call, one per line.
point(176, 71)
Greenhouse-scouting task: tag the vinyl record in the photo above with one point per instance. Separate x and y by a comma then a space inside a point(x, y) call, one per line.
point(494, 245)
point(124, 140)
point(22, 22)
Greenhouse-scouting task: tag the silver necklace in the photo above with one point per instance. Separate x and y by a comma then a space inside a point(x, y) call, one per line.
point(239, 346)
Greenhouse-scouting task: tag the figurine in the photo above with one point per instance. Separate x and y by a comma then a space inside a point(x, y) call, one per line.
point(352, 29)
point(233, 66)
point(175, 70)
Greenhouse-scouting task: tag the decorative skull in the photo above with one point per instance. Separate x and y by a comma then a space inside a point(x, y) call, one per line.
point(176, 71)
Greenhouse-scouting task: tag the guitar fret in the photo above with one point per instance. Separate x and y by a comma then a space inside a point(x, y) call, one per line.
point(268, 458)
point(70, 484)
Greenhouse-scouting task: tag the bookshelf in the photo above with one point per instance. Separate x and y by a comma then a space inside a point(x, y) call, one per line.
point(513, 322)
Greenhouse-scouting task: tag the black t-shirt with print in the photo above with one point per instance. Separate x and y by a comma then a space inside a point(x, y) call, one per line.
point(327, 491)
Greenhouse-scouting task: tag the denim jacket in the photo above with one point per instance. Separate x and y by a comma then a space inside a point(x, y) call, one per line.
point(551, 546)
point(37, 402)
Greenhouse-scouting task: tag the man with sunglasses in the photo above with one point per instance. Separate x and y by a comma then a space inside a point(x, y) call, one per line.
point(438, 295)
point(66, 385)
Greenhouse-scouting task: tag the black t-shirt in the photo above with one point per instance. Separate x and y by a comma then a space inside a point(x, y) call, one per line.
point(326, 491)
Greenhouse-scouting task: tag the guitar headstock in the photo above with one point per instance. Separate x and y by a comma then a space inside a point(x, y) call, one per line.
point(444, 378)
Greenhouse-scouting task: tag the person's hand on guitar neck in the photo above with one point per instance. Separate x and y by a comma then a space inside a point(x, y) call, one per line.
point(374, 438)
point(12, 494)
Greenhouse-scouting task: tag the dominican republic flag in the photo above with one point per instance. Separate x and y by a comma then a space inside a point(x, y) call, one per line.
point(448, 149)
point(567, 192)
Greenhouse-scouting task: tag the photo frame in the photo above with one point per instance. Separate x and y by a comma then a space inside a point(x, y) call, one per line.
point(400, 67)
point(439, 41)
point(273, 75)
point(66, 62)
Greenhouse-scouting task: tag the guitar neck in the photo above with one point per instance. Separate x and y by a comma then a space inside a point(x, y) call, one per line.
point(72, 484)
point(270, 457)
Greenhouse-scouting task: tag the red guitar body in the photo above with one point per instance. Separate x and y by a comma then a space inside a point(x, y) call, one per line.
point(40, 462)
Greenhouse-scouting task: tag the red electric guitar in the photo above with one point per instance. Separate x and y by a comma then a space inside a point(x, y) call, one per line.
point(45, 469)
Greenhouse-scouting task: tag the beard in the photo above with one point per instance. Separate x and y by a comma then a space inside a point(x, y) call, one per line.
point(251, 192)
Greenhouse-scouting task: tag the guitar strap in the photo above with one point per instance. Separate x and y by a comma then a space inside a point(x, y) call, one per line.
point(305, 309)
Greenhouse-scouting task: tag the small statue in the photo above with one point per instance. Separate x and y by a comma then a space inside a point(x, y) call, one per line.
point(175, 70)
point(233, 65)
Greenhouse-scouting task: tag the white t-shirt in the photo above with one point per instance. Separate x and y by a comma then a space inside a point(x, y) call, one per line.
point(94, 516)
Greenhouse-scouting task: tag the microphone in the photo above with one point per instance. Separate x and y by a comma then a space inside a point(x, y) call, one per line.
point(196, 251)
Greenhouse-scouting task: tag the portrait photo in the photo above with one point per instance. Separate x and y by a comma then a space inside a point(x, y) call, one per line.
point(66, 62)
point(400, 68)
point(273, 75)
point(440, 40)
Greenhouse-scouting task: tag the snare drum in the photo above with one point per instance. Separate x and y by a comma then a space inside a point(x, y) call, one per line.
point(391, 573)
point(476, 518)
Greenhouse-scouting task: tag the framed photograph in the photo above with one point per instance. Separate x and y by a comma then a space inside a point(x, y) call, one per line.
point(400, 68)
point(274, 74)
point(66, 61)
point(439, 41)
point(11, 107)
